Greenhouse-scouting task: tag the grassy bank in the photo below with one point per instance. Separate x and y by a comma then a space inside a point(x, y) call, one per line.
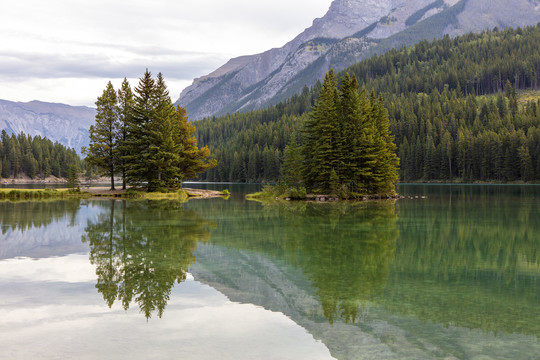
point(41, 194)
point(291, 193)
point(37, 194)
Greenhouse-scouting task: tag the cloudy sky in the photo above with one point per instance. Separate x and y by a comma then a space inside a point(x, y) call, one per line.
point(66, 50)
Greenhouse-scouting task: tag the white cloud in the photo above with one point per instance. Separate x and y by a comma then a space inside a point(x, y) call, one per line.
point(58, 50)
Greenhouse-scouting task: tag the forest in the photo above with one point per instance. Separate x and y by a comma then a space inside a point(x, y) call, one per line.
point(35, 157)
point(457, 109)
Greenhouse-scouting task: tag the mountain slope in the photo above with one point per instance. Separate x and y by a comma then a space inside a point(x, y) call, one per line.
point(351, 31)
point(65, 124)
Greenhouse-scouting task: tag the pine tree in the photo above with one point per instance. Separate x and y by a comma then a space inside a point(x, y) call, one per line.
point(73, 177)
point(137, 145)
point(320, 137)
point(387, 163)
point(102, 151)
point(125, 107)
point(162, 134)
point(291, 171)
point(347, 142)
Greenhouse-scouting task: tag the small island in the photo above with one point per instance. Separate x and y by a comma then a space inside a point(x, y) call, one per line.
point(345, 151)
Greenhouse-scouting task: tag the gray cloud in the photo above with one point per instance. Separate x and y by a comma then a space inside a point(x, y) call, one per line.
point(179, 65)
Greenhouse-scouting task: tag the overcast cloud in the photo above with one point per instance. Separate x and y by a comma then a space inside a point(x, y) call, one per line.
point(66, 50)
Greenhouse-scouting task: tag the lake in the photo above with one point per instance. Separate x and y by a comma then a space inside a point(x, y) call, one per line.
point(449, 272)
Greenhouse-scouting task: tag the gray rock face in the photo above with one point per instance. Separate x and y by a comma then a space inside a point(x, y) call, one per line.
point(58, 122)
point(345, 35)
point(482, 14)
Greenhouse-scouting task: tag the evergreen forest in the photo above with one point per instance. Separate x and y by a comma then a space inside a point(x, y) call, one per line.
point(35, 157)
point(461, 109)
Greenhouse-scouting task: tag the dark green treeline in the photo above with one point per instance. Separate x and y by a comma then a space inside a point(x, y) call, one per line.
point(453, 109)
point(34, 156)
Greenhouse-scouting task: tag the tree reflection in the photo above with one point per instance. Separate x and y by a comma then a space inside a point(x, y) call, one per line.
point(478, 253)
point(346, 250)
point(141, 249)
point(26, 215)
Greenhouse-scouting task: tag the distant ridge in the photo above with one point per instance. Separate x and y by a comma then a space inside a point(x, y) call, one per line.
point(65, 124)
point(351, 31)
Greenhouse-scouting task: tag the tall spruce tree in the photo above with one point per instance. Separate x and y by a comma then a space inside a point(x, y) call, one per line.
point(125, 108)
point(386, 163)
point(137, 144)
point(291, 171)
point(321, 137)
point(163, 144)
point(102, 151)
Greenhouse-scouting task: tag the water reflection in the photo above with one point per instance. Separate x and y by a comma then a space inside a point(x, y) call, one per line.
point(470, 261)
point(456, 275)
point(24, 216)
point(141, 249)
point(433, 270)
point(344, 249)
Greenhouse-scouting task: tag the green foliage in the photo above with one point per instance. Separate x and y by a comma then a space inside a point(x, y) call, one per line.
point(73, 178)
point(347, 143)
point(292, 163)
point(145, 138)
point(125, 117)
point(103, 149)
point(34, 157)
point(321, 143)
point(442, 111)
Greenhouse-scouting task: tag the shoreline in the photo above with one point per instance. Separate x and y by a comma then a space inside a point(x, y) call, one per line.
point(105, 193)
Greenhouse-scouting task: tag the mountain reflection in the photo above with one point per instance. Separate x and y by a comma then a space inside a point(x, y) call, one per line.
point(346, 250)
point(343, 249)
point(141, 249)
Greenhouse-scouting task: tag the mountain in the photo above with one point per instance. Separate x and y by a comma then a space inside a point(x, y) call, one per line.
point(65, 124)
point(350, 31)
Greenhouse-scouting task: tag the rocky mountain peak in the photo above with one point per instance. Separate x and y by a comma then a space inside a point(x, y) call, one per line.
point(346, 17)
point(350, 31)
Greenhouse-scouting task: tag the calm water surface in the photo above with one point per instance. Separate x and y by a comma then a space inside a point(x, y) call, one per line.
point(450, 272)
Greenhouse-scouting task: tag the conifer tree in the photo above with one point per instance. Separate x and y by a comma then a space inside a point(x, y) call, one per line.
point(102, 151)
point(73, 177)
point(291, 171)
point(162, 137)
point(321, 137)
point(125, 107)
point(386, 163)
point(137, 145)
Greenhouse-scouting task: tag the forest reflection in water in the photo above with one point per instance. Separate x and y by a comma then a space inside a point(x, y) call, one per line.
point(141, 249)
point(465, 256)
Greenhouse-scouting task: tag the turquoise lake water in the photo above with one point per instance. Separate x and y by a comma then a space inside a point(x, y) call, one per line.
point(449, 272)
